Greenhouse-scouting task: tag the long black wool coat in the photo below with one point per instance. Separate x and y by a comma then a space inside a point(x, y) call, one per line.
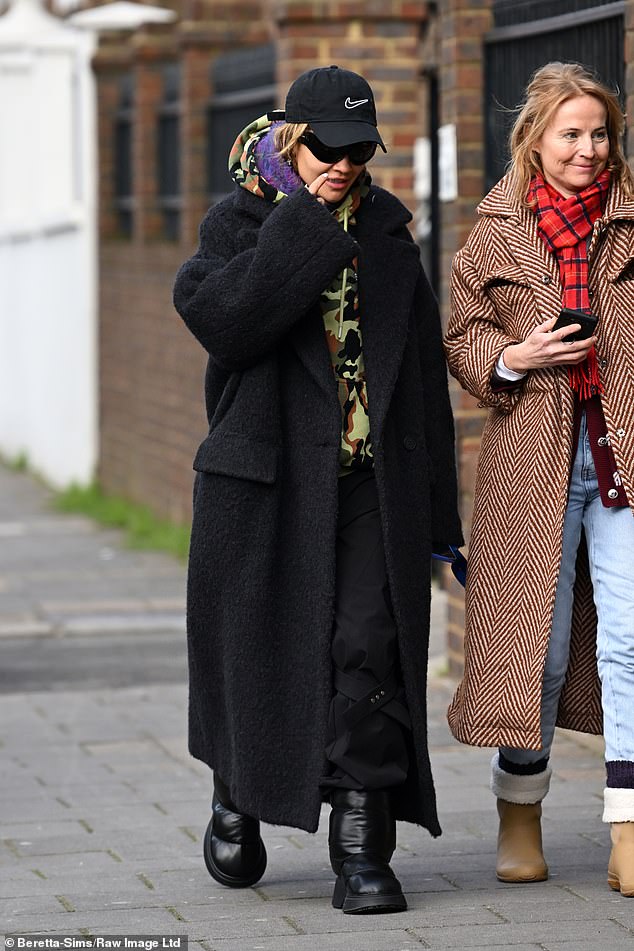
point(262, 561)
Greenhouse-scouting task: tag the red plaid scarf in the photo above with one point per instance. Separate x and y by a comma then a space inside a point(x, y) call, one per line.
point(564, 225)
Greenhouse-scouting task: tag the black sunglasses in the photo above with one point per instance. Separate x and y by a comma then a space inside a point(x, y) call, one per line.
point(359, 153)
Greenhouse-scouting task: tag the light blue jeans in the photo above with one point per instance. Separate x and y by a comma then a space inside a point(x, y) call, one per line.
point(610, 539)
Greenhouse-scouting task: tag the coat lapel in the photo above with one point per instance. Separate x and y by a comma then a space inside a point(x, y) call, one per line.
point(619, 250)
point(308, 337)
point(389, 268)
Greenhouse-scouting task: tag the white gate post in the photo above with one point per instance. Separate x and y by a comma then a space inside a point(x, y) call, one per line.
point(48, 278)
point(48, 233)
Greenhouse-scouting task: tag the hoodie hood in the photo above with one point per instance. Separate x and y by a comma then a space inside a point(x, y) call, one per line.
point(255, 165)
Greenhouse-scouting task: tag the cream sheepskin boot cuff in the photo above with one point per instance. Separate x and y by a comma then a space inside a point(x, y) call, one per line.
point(522, 790)
point(618, 805)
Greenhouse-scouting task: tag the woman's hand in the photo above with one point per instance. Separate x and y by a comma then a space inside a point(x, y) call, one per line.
point(314, 187)
point(543, 348)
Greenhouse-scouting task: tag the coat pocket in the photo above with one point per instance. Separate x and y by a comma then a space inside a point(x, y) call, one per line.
point(233, 454)
point(508, 274)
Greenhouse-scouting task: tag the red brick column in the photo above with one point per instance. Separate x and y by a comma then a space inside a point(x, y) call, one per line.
point(379, 40)
point(463, 25)
point(629, 75)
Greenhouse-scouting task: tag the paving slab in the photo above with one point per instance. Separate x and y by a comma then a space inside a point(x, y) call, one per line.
point(102, 810)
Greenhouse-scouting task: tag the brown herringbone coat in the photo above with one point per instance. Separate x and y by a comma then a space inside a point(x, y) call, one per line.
point(504, 282)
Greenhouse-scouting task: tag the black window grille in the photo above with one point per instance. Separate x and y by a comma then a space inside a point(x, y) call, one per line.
point(243, 88)
point(168, 152)
point(513, 12)
point(429, 222)
point(591, 34)
point(123, 179)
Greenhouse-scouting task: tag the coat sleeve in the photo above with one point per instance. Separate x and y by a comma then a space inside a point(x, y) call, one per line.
point(239, 304)
point(439, 425)
point(475, 339)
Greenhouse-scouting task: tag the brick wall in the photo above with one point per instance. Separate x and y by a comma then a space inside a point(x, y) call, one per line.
point(150, 412)
point(380, 40)
point(629, 74)
point(461, 70)
point(152, 374)
point(151, 370)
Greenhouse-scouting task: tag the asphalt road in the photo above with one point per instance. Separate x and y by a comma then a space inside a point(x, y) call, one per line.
point(29, 664)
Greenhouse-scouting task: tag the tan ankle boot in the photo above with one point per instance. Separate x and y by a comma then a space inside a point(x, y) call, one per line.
point(621, 864)
point(520, 857)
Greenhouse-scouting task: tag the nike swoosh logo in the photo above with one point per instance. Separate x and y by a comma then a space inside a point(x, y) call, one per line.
point(351, 104)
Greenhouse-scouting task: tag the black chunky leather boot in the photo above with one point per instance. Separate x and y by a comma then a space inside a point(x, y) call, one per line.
point(233, 849)
point(361, 841)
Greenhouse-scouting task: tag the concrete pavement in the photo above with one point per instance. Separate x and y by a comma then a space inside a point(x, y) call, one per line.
point(103, 811)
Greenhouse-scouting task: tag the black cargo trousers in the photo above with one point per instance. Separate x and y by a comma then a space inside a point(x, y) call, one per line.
point(368, 719)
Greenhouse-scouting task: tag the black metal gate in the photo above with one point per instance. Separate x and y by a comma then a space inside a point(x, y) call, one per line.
point(243, 88)
point(529, 33)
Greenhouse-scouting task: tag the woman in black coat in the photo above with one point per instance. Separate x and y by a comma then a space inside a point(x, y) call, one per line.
point(325, 482)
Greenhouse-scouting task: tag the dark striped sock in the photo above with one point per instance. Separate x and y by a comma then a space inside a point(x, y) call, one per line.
point(522, 769)
point(620, 774)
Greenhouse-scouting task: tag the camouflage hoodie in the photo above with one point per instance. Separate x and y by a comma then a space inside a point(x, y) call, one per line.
point(255, 165)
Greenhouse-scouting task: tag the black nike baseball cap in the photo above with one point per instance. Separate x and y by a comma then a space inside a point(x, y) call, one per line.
point(337, 103)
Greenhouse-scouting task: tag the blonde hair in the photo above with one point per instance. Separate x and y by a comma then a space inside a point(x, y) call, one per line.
point(549, 87)
point(287, 138)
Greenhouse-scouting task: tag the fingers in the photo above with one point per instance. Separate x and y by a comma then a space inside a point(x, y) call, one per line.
point(314, 187)
point(577, 358)
point(580, 346)
point(544, 349)
point(573, 352)
point(566, 332)
point(547, 325)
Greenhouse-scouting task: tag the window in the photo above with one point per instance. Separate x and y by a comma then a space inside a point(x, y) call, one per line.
point(123, 200)
point(243, 88)
point(591, 34)
point(168, 147)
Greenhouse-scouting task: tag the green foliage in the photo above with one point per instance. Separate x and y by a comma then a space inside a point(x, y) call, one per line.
point(143, 529)
point(19, 463)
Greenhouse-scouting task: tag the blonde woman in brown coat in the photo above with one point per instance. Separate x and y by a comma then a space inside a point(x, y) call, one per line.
point(550, 589)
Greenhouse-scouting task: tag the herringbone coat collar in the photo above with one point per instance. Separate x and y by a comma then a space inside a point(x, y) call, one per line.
point(501, 203)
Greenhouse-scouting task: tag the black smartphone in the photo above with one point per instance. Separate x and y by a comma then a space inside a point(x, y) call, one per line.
point(569, 316)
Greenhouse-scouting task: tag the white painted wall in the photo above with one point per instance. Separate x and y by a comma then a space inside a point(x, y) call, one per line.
point(48, 227)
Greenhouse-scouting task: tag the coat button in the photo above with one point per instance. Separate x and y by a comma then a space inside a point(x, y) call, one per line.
point(620, 432)
point(603, 364)
point(613, 494)
point(546, 279)
point(602, 440)
point(410, 443)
